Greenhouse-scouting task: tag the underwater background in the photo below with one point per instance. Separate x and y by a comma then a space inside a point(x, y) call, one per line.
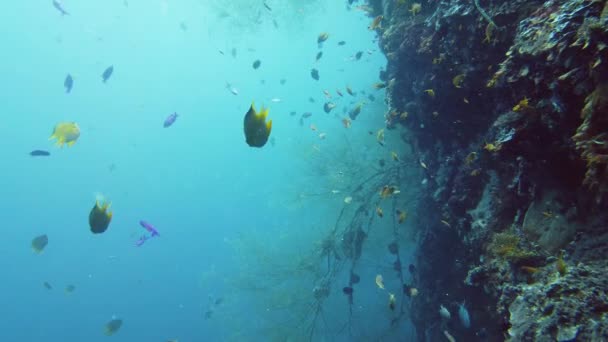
point(231, 218)
point(304, 170)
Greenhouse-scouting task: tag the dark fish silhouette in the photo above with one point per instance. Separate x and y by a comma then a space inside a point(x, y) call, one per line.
point(68, 83)
point(257, 64)
point(314, 73)
point(59, 7)
point(233, 52)
point(107, 73)
point(267, 7)
point(170, 120)
point(358, 55)
point(40, 153)
point(319, 55)
point(340, 43)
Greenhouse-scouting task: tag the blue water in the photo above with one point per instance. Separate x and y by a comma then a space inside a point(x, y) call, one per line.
point(227, 213)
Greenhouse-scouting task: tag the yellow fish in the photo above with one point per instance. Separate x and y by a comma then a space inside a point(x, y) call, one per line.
point(380, 281)
point(100, 216)
point(112, 326)
point(402, 215)
point(257, 130)
point(65, 133)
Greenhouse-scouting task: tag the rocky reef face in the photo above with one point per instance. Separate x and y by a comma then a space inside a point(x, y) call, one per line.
point(506, 104)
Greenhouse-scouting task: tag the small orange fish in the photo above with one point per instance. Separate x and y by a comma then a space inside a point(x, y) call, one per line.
point(401, 215)
point(376, 23)
point(380, 212)
point(387, 191)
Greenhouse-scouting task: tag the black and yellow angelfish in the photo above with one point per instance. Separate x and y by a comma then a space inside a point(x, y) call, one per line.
point(100, 216)
point(257, 130)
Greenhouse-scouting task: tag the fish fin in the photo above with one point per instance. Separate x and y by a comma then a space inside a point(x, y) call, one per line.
point(263, 113)
point(269, 126)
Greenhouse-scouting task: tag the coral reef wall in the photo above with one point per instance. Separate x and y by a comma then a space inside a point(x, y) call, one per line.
point(506, 104)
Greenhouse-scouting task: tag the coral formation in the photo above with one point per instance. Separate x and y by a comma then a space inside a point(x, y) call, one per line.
point(516, 135)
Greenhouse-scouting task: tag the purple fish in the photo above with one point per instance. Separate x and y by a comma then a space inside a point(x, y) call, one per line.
point(141, 241)
point(170, 120)
point(149, 228)
point(59, 7)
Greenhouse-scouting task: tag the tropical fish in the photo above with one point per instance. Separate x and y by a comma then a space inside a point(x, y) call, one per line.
point(340, 43)
point(391, 301)
point(346, 122)
point(306, 115)
point(40, 153)
point(348, 199)
point(70, 288)
point(68, 83)
point(47, 285)
point(57, 4)
point(65, 133)
point(328, 106)
point(149, 228)
point(39, 243)
point(319, 55)
point(112, 326)
point(267, 7)
point(380, 212)
point(322, 37)
point(107, 73)
point(358, 55)
point(376, 23)
point(401, 215)
point(141, 240)
point(170, 120)
point(350, 91)
point(355, 111)
point(257, 130)
point(380, 281)
point(100, 216)
point(256, 64)
point(314, 73)
point(380, 136)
